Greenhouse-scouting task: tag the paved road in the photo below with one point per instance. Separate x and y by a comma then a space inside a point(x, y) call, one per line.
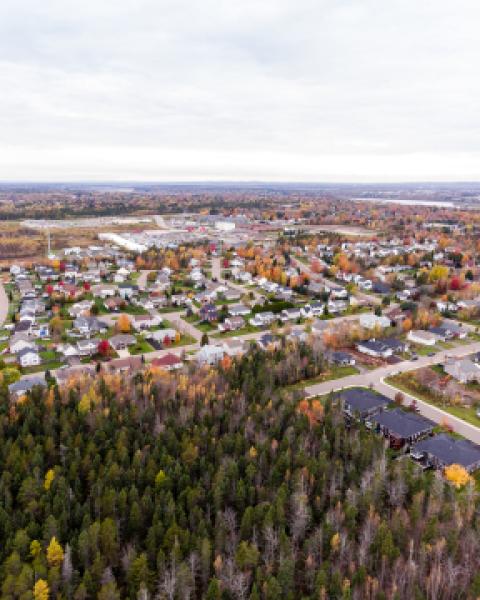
point(142, 279)
point(434, 413)
point(376, 379)
point(217, 274)
point(304, 268)
point(3, 305)
point(182, 325)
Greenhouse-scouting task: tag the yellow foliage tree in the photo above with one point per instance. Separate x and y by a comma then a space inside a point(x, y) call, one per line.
point(335, 542)
point(123, 323)
point(49, 477)
point(41, 591)
point(35, 548)
point(457, 475)
point(54, 553)
point(438, 272)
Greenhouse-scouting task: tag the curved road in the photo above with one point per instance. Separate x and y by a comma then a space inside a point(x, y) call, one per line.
point(3, 304)
point(376, 378)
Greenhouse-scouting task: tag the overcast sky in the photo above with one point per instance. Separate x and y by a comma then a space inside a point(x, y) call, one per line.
point(313, 90)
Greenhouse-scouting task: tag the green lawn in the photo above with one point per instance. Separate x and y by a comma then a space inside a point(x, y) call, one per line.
point(425, 350)
point(46, 366)
point(167, 309)
point(141, 347)
point(130, 309)
point(466, 413)
point(49, 355)
point(334, 372)
point(185, 340)
point(243, 331)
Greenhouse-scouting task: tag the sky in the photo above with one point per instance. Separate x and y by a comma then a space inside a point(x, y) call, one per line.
point(239, 90)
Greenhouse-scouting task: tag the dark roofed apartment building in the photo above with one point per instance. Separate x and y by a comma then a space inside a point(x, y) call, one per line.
point(362, 402)
point(443, 450)
point(402, 427)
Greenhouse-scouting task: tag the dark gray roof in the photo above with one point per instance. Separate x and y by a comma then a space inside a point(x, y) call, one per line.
point(362, 399)
point(23, 385)
point(374, 345)
point(339, 355)
point(449, 450)
point(393, 343)
point(26, 351)
point(402, 423)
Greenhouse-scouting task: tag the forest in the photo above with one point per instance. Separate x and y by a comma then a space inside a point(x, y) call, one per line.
point(219, 483)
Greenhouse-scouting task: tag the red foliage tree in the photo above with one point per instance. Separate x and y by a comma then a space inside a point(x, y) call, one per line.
point(455, 283)
point(104, 348)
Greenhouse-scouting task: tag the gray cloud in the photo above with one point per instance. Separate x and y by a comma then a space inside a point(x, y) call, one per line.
point(278, 89)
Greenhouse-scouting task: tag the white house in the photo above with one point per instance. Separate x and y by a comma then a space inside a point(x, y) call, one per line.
point(18, 345)
point(209, 354)
point(425, 338)
point(29, 358)
point(370, 321)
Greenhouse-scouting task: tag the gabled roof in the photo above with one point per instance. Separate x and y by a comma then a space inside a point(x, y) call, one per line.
point(402, 423)
point(168, 360)
point(449, 450)
point(362, 399)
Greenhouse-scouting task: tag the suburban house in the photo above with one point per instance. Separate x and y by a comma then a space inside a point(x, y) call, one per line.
point(362, 402)
point(234, 347)
point(140, 322)
point(121, 341)
point(29, 357)
point(113, 304)
point(87, 347)
point(67, 350)
point(401, 427)
point(209, 354)
point(104, 290)
point(122, 365)
point(231, 324)
point(80, 308)
point(371, 321)
point(168, 362)
point(397, 346)
point(160, 335)
point(262, 319)
point(127, 290)
point(449, 331)
point(25, 384)
point(336, 306)
point(425, 338)
point(19, 344)
point(375, 348)
point(268, 341)
point(443, 450)
point(290, 314)
point(238, 310)
point(463, 370)
point(342, 359)
point(89, 325)
point(208, 312)
point(62, 376)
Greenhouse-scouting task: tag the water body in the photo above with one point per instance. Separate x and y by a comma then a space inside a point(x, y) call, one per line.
point(408, 202)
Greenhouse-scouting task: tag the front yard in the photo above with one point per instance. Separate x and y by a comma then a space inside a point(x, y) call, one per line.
point(405, 382)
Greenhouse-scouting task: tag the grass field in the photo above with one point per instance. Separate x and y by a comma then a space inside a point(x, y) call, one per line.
point(334, 372)
point(466, 413)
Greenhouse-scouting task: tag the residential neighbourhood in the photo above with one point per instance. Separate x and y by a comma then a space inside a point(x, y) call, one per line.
point(367, 305)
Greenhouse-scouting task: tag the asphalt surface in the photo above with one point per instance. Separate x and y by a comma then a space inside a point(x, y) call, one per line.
point(368, 298)
point(376, 378)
